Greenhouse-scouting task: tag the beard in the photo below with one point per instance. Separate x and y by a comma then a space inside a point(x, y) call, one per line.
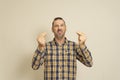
point(60, 36)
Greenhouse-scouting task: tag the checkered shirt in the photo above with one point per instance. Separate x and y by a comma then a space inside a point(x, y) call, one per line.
point(60, 60)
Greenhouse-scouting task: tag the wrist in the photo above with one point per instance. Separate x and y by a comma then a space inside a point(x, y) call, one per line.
point(41, 48)
point(83, 46)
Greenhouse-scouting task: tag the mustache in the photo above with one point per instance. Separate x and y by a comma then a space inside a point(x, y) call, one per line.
point(59, 30)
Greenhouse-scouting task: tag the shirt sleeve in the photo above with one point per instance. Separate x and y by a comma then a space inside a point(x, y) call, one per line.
point(38, 59)
point(84, 56)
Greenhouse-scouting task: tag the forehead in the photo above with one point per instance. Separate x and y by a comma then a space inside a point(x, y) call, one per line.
point(59, 21)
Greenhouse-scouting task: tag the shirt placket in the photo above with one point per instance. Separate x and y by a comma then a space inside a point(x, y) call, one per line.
point(60, 62)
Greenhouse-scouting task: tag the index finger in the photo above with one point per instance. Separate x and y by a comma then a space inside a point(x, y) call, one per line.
point(80, 33)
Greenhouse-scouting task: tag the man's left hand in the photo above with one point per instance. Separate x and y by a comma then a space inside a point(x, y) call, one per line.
point(81, 38)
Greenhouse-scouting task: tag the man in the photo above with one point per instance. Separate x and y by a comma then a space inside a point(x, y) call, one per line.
point(60, 55)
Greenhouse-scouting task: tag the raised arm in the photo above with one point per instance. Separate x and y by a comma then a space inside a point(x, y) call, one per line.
point(83, 54)
point(39, 54)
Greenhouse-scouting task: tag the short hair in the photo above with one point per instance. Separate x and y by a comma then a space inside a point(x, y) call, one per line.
point(57, 18)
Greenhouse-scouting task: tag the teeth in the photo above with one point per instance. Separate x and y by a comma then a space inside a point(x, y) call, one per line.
point(59, 31)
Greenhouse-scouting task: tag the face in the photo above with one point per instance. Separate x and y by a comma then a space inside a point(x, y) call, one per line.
point(59, 29)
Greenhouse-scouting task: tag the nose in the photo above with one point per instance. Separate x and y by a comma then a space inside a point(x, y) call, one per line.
point(59, 27)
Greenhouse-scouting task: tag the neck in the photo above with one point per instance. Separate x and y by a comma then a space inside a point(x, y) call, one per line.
point(60, 41)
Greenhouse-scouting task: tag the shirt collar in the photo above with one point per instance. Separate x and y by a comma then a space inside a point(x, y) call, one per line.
point(55, 43)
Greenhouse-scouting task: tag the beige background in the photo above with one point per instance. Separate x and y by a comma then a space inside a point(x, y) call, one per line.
point(22, 20)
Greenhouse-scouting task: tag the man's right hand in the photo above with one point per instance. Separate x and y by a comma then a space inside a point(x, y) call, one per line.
point(41, 40)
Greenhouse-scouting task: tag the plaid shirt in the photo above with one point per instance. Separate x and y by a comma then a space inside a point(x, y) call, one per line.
point(60, 60)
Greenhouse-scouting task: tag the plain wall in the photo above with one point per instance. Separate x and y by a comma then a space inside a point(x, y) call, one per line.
point(22, 20)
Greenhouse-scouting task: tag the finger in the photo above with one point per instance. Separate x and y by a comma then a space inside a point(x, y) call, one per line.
point(80, 33)
point(43, 34)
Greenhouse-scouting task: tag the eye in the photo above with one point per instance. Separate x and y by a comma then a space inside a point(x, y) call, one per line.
point(55, 25)
point(62, 25)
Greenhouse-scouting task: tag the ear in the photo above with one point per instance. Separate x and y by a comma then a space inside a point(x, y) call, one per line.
point(52, 29)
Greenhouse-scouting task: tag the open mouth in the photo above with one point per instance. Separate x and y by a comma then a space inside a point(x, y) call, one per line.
point(59, 31)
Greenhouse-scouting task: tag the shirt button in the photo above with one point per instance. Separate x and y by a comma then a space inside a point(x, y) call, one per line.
point(60, 45)
point(60, 52)
point(60, 75)
point(66, 51)
point(60, 67)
